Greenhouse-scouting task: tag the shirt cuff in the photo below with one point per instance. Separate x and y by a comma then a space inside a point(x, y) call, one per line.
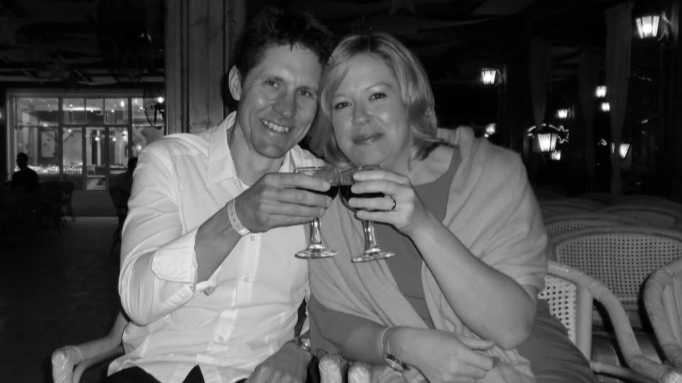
point(177, 262)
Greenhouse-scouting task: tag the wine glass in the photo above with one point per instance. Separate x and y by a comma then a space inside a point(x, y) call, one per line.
point(316, 249)
point(372, 252)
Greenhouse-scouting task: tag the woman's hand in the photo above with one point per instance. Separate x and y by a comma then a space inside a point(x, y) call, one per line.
point(401, 206)
point(442, 356)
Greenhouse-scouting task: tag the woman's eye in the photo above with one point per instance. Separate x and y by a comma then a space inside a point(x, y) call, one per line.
point(341, 105)
point(377, 96)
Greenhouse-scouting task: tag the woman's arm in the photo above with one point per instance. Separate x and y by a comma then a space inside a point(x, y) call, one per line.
point(488, 302)
point(439, 356)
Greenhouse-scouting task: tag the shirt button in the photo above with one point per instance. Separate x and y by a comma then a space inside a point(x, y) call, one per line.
point(247, 279)
point(253, 238)
point(221, 339)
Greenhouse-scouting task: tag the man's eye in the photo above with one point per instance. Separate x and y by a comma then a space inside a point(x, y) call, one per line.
point(341, 105)
point(307, 93)
point(377, 96)
point(271, 83)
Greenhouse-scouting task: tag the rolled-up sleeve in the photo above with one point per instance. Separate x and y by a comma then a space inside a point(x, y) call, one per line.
point(158, 266)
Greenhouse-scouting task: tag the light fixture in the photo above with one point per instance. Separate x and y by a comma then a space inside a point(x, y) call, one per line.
point(647, 26)
point(605, 106)
point(556, 155)
point(490, 76)
point(490, 129)
point(623, 150)
point(601, 91)
point(547, 141)
point(562, 114)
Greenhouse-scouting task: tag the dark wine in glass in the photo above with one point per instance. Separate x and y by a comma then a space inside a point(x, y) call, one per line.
point(317, 249)
point(372, 251)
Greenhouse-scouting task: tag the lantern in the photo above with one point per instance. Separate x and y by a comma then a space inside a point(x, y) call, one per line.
point(556, 155)
point(623, 150)
point(562, 114)
point(547, 141)
point(605, 106)
point(489, 76)
point(647, 26)
point(601, 91)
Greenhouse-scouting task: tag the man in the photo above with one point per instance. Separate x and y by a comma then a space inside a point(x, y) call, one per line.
point(24, 179)
point(208, 274)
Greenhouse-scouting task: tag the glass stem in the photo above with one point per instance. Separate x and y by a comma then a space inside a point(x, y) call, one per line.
point(315, 232)
point(370, 240)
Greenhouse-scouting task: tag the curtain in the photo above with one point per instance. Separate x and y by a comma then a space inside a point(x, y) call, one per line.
point(618, 42)
point(588, 81)
point(540, 69)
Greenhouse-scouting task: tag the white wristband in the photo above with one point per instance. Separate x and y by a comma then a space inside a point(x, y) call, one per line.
point(234, 219)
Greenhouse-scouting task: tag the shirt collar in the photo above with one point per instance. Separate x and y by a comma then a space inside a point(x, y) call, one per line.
point(220, 163)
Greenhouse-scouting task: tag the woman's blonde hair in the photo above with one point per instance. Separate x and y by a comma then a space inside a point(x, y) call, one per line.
point(415, 92)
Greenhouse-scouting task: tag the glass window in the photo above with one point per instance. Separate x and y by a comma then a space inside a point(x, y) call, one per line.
point(95, 159)
point(94, 111)
point(116, 111)
point(118, 150)
point(72, 160)
point(36, 111)
point(39, 143)
point(74, 111)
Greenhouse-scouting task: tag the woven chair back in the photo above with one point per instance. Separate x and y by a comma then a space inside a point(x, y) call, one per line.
point(621, 257)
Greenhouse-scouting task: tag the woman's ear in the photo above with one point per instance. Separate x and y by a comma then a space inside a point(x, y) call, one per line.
point(235, 83)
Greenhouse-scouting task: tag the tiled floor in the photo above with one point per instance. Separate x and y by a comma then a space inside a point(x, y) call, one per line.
point(55, 289)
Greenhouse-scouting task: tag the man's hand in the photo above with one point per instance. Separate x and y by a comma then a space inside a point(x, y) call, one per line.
point(288, 365)
point(282, 199)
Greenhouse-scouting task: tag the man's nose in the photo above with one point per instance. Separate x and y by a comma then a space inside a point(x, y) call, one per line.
point(286, 104)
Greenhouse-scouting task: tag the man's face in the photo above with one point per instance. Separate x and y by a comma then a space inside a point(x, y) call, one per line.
point(21, 162)
point(277, 100)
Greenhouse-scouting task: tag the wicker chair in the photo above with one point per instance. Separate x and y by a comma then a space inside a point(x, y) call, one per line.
point(570, 294)
point(654, 215)
point(621, 257)
point(663, 301)
point(566, 222)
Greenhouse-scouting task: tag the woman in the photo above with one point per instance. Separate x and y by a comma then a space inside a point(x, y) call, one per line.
point(461, 293)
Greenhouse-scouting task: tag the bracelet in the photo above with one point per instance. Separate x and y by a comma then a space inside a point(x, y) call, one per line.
point(234, 219)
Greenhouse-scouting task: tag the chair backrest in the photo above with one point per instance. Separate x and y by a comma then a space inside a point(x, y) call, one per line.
point(657, 216)
point(621, 257)
point(663, 302)
point(566, 222)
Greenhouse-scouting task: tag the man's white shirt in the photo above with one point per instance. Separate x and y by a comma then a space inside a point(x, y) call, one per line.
point(247, 309)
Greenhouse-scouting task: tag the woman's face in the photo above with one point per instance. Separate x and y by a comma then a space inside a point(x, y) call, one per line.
point(368, 115)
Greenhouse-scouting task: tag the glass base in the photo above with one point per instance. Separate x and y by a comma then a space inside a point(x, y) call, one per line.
point(315, 251)
point(374, 254)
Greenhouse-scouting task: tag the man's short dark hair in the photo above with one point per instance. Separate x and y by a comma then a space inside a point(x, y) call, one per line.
point(22, 156)
point(275, 27)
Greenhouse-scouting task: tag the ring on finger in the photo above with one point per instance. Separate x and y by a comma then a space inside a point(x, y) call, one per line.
point(394, 203)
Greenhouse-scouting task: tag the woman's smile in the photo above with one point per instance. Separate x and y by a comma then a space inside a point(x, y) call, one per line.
point(367, 138)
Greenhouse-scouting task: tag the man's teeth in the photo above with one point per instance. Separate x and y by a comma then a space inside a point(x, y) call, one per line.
point(275, 127)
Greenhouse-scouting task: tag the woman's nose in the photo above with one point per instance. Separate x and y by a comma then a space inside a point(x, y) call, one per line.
point(360, 115)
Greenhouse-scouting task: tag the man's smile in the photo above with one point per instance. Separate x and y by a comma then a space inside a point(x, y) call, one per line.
point(275, 127)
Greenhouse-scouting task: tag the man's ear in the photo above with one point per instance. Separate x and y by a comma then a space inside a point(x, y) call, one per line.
point(235, 83)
